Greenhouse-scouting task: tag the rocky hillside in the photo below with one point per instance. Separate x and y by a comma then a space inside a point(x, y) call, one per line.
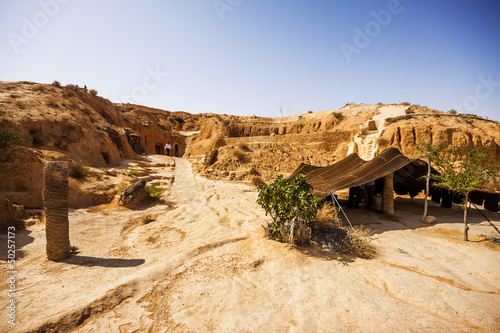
point(55, 122)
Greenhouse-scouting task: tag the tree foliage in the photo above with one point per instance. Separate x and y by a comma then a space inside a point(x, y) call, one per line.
point(462, 170)
point(286, 202)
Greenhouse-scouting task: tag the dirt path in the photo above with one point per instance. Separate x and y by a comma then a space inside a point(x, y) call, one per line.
point(204, 265)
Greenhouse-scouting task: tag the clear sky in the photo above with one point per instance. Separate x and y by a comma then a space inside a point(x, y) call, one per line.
point(247, 57)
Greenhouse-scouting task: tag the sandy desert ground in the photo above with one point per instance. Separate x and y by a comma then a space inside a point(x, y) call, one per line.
point(205, 265)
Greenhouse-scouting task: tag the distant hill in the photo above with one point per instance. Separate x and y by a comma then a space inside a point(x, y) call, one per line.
point(75, 124)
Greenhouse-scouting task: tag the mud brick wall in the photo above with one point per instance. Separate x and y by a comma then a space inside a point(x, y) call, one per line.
point(55, 201)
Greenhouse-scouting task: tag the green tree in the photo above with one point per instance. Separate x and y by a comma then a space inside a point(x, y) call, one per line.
point(287, 202)
point(462, 170)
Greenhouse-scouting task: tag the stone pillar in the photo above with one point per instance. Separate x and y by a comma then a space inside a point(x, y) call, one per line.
point(388, 195)
point(55, 201)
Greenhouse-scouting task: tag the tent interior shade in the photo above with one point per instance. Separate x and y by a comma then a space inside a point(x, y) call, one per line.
point(354, 171)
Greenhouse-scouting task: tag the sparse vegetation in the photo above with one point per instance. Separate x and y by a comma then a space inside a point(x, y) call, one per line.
point(239, 154)
point(51, 101)
point(179, 119)
point(132, 172)
point(93, 92)
point(452, 111)
point(147, 219)
point(155, 192)
point(243, 146)
point(338, 114)
point(292, 208)
point(80, 170)
point(257, 181)
point(381, 141)
point(73, 250)
point(327, 230)
point(462, 170)
point(2, 113)
point(8, 137)
point(56, 83)
point(19, 104)
point(406, 103)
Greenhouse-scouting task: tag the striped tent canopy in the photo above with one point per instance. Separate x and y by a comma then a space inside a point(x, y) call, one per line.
point(354, 171)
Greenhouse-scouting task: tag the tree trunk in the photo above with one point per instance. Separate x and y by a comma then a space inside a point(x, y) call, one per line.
point(55, 201)
point(427, 189)
point(466, 227)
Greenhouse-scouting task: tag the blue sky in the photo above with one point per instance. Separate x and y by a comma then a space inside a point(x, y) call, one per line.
point(247, 57)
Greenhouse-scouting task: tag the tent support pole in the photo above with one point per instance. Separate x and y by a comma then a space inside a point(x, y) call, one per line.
point(494, 227)
point(340, 207)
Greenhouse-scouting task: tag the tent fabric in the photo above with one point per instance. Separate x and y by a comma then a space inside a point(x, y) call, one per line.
point(354, 171)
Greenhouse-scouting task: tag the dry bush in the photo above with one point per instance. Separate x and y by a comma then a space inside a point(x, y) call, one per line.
point(327, 216)
point(310, 112)
point(39, 87)
point(406, 103)
point(19, 104)
point(452, 111)
point(243, 146)
point(257, 181)
point(71, 86)
point(327, 231)
point(93, 92)
point(51, 101)
point(381, 141)
point(297, 232)
point(56, 83)
point(80, 170)
point(239, 154)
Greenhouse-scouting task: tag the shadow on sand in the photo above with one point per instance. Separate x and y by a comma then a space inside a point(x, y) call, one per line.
point(21, 239)
point(102, 262)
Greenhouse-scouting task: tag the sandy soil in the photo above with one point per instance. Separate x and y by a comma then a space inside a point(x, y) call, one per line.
point(205, 265)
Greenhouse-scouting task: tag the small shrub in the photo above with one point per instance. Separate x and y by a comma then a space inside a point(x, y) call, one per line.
point(452, 111)
point(73, 249)
point(291, 206)
point(239, 154)
point(406, 103)
point(243, 146)
point(382, 141)
point(71, 86)
point(51, 101)
point(155, 192)
point(80, 170)
point(19, 104)
point(409, 111)
point(2, 113)
point(8, 136)
point(56, 83)
point(39, 87)
point(310, 112)
point(132, 172)
point(257, 181)
point(179, 119)
point(147, 219)
point(93, 92)
point(338, 114)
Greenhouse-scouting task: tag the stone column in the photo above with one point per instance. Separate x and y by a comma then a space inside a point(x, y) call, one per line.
point(55, 201)
point(388, 195)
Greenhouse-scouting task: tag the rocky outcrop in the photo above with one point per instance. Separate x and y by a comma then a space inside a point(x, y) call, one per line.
point(452, 130)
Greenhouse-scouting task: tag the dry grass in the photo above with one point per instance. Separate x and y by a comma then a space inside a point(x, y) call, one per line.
point(239, 154)
point(19, 104)
point(328, 232)
point(257, 180)
point(93, 92)
point(51, 101)
point(243, 146)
